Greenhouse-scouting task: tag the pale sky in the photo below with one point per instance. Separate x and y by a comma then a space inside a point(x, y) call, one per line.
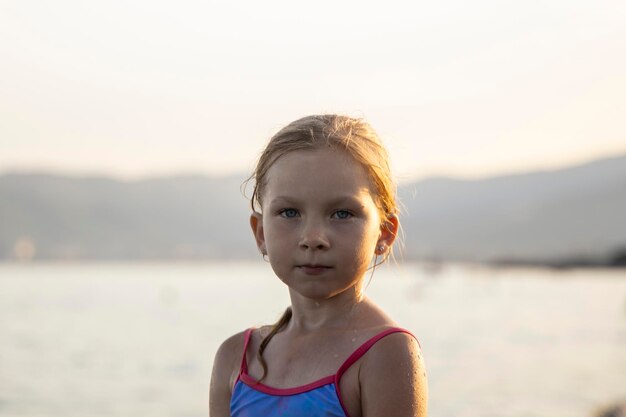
point(469, 89)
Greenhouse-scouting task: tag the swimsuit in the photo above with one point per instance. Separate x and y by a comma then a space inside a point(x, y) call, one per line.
point(320, 398)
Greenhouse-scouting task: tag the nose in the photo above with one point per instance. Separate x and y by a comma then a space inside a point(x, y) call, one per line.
point(314, 236)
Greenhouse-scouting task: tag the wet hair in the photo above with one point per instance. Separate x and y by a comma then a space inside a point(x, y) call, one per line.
point(353, 135)
point(357, 138)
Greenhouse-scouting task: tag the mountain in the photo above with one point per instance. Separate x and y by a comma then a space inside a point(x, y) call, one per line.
point(100, 218)
point(572, 213)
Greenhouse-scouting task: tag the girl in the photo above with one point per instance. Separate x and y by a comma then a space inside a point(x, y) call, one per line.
point(324, 213)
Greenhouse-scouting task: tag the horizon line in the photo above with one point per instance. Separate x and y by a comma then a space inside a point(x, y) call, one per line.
point(182, 173)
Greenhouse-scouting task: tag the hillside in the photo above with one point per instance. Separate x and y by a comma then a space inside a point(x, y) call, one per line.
point(547, 216)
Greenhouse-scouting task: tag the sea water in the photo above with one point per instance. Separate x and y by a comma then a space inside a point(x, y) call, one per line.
point(113, 340)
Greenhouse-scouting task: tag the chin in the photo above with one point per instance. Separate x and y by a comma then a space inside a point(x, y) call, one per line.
point(319, 293)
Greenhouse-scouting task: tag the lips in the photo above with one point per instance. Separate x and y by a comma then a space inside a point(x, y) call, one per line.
point(313, 269)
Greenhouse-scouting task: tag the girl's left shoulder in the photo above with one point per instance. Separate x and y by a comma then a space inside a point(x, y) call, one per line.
point(393, 378)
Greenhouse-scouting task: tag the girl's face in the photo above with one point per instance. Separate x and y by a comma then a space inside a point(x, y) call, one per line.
point(320, 225)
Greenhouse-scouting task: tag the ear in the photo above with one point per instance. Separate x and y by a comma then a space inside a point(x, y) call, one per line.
point(256, 222)
point(388, 233)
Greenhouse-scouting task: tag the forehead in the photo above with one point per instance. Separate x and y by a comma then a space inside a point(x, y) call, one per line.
point(318, 173)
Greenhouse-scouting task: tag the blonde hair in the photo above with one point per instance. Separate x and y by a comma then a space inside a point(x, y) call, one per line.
point(358, 139)
point(355, 136)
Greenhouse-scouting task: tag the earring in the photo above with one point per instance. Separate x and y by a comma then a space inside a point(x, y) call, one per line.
point(381, 248)
point(264, 255)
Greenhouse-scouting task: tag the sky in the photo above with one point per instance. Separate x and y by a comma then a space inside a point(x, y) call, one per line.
point(135, 89)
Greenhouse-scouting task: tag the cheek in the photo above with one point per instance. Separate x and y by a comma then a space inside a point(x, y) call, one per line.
point(277, 234)
point(363, 245)
point(369, 234)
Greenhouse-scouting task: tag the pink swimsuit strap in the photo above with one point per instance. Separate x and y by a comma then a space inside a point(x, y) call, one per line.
point(355, 356)
point(362, 350)
point(243, 369)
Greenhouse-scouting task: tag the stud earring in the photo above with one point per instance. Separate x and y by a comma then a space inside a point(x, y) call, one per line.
point(381, 248)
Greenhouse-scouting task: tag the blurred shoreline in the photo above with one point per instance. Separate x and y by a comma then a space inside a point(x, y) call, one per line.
point(567, 218)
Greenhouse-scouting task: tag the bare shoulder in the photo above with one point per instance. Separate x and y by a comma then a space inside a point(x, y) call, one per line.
point(393, 378)
point(229, 354)
point(225, 370)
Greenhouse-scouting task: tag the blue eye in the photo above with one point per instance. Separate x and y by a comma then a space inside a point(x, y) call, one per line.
point(288, 213)
point(342, 214)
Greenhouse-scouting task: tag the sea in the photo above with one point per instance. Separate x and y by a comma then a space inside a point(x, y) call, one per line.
point(138, 339)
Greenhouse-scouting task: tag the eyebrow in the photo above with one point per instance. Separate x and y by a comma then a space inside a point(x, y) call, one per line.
point(348, 199)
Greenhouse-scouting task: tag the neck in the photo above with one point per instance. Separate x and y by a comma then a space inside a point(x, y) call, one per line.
point(335, 312)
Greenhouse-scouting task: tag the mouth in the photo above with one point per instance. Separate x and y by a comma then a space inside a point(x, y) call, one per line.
point(313, 269)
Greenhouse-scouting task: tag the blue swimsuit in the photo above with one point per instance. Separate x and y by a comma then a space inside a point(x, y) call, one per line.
point(321, 398)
